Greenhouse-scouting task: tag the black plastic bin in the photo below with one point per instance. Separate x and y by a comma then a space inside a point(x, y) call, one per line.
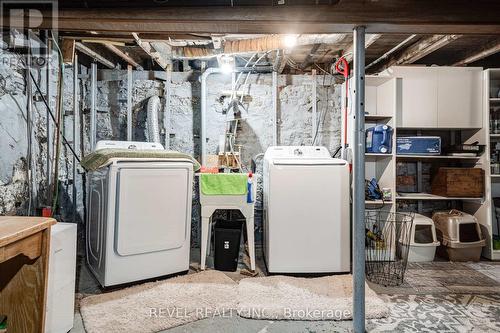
point(227, 237)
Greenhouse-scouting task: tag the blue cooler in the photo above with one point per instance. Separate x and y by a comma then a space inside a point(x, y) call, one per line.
point(418, 145)
point(379, 139)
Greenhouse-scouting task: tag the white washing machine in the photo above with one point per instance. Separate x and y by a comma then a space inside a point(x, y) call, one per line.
point(306, 211)
point(139, 220)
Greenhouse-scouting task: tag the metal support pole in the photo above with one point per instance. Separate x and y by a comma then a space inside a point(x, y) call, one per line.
point(166, 112)
point(93, 111)
point(75, 130)
point(359, 183)
point(129, 103)
point(314, 115)
point(275, 108)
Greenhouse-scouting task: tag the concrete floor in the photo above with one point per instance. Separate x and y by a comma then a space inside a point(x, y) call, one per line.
point(427, 279)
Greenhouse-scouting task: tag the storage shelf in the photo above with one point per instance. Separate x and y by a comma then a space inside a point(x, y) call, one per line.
point(428, 196)
point(377, 202)
point(494, 135)
point(494, 176)
point(378, 154)
point(376, 117)
point(494, 100)
point(438, 157)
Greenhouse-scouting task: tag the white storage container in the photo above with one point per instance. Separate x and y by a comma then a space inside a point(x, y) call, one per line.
point(422, 243)
point(60, 307)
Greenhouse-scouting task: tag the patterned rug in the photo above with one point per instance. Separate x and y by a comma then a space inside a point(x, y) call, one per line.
point(440, 313)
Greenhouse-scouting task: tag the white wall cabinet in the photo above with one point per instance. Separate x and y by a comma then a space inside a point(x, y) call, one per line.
point(418, 91)
point(439, 97)
point(459, 97)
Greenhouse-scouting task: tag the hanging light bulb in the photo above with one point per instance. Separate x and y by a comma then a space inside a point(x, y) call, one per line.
point(226, 64)
point(289, 41)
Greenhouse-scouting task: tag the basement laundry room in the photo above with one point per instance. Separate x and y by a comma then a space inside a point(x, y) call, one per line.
point(249, 166)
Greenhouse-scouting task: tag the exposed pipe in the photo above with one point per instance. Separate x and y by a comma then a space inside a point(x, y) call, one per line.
point(275, 108)
point(314, 114)
point(154, 105)
point(75, 131)
point(358, 220)
point(391, 51)
point(166, 110)
point(204, 76)
point(93, 111)
point(48, 127)
point(129, 104)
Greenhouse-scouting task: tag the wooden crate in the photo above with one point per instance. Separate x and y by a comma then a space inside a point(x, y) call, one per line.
point(459, 182)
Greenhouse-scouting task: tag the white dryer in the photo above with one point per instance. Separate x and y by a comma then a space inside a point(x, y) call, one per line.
point(306, 211)
point(139, 220)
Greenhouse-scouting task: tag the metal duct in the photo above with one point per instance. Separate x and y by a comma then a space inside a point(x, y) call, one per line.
point(152, 121)
point(254, 45)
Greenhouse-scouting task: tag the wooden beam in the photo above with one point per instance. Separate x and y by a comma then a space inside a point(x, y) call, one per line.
point(419, 50)
point(91, 53)
point(478, 55)
point(122, 55)
point(411, 17)
point(68, 50)
point(309, 59)
point(150, 50)
point(370, 39)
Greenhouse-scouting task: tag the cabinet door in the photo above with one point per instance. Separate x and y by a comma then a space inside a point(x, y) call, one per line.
point(459, 98)
point(418, 97)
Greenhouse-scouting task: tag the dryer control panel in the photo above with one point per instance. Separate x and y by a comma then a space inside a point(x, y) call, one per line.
point(132, 145)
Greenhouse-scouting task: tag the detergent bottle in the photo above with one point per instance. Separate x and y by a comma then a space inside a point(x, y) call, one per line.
point(249, 188)
point(379, 139)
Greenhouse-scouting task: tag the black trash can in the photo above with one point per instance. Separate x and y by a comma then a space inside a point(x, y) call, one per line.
point(227, 236)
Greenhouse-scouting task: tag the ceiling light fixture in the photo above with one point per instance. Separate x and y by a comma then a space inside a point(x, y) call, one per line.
point(226, 64)
point(289, 41)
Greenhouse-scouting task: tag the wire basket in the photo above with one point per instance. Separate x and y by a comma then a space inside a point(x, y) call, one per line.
point(387, 236)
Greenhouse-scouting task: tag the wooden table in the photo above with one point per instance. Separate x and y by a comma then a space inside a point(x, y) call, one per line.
point(24, 254)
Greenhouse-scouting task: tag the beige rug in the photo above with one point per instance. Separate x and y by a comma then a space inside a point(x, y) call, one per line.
point(324, 298)
point(157, 306)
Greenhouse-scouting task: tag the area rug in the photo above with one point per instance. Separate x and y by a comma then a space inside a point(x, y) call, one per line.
point(157, 306)
point(291, 298)
point(440, 313)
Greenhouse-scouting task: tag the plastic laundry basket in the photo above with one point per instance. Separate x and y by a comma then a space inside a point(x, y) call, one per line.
point(422, 243)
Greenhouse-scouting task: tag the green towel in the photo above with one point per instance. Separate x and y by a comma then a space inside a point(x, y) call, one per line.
point(100, 158)
point(223, 183)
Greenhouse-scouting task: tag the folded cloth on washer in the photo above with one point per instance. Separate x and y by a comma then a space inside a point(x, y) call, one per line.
point(102, 157)
point(223, 183)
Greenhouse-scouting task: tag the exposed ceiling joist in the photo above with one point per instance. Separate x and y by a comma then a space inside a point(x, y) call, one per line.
point(150, 50)
point(309, 58)
point(425, 17)
point(91, 53)
point(420, 49)
point(391, 51)
point(370, 39)
point(478, 55)
point(122, 55)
